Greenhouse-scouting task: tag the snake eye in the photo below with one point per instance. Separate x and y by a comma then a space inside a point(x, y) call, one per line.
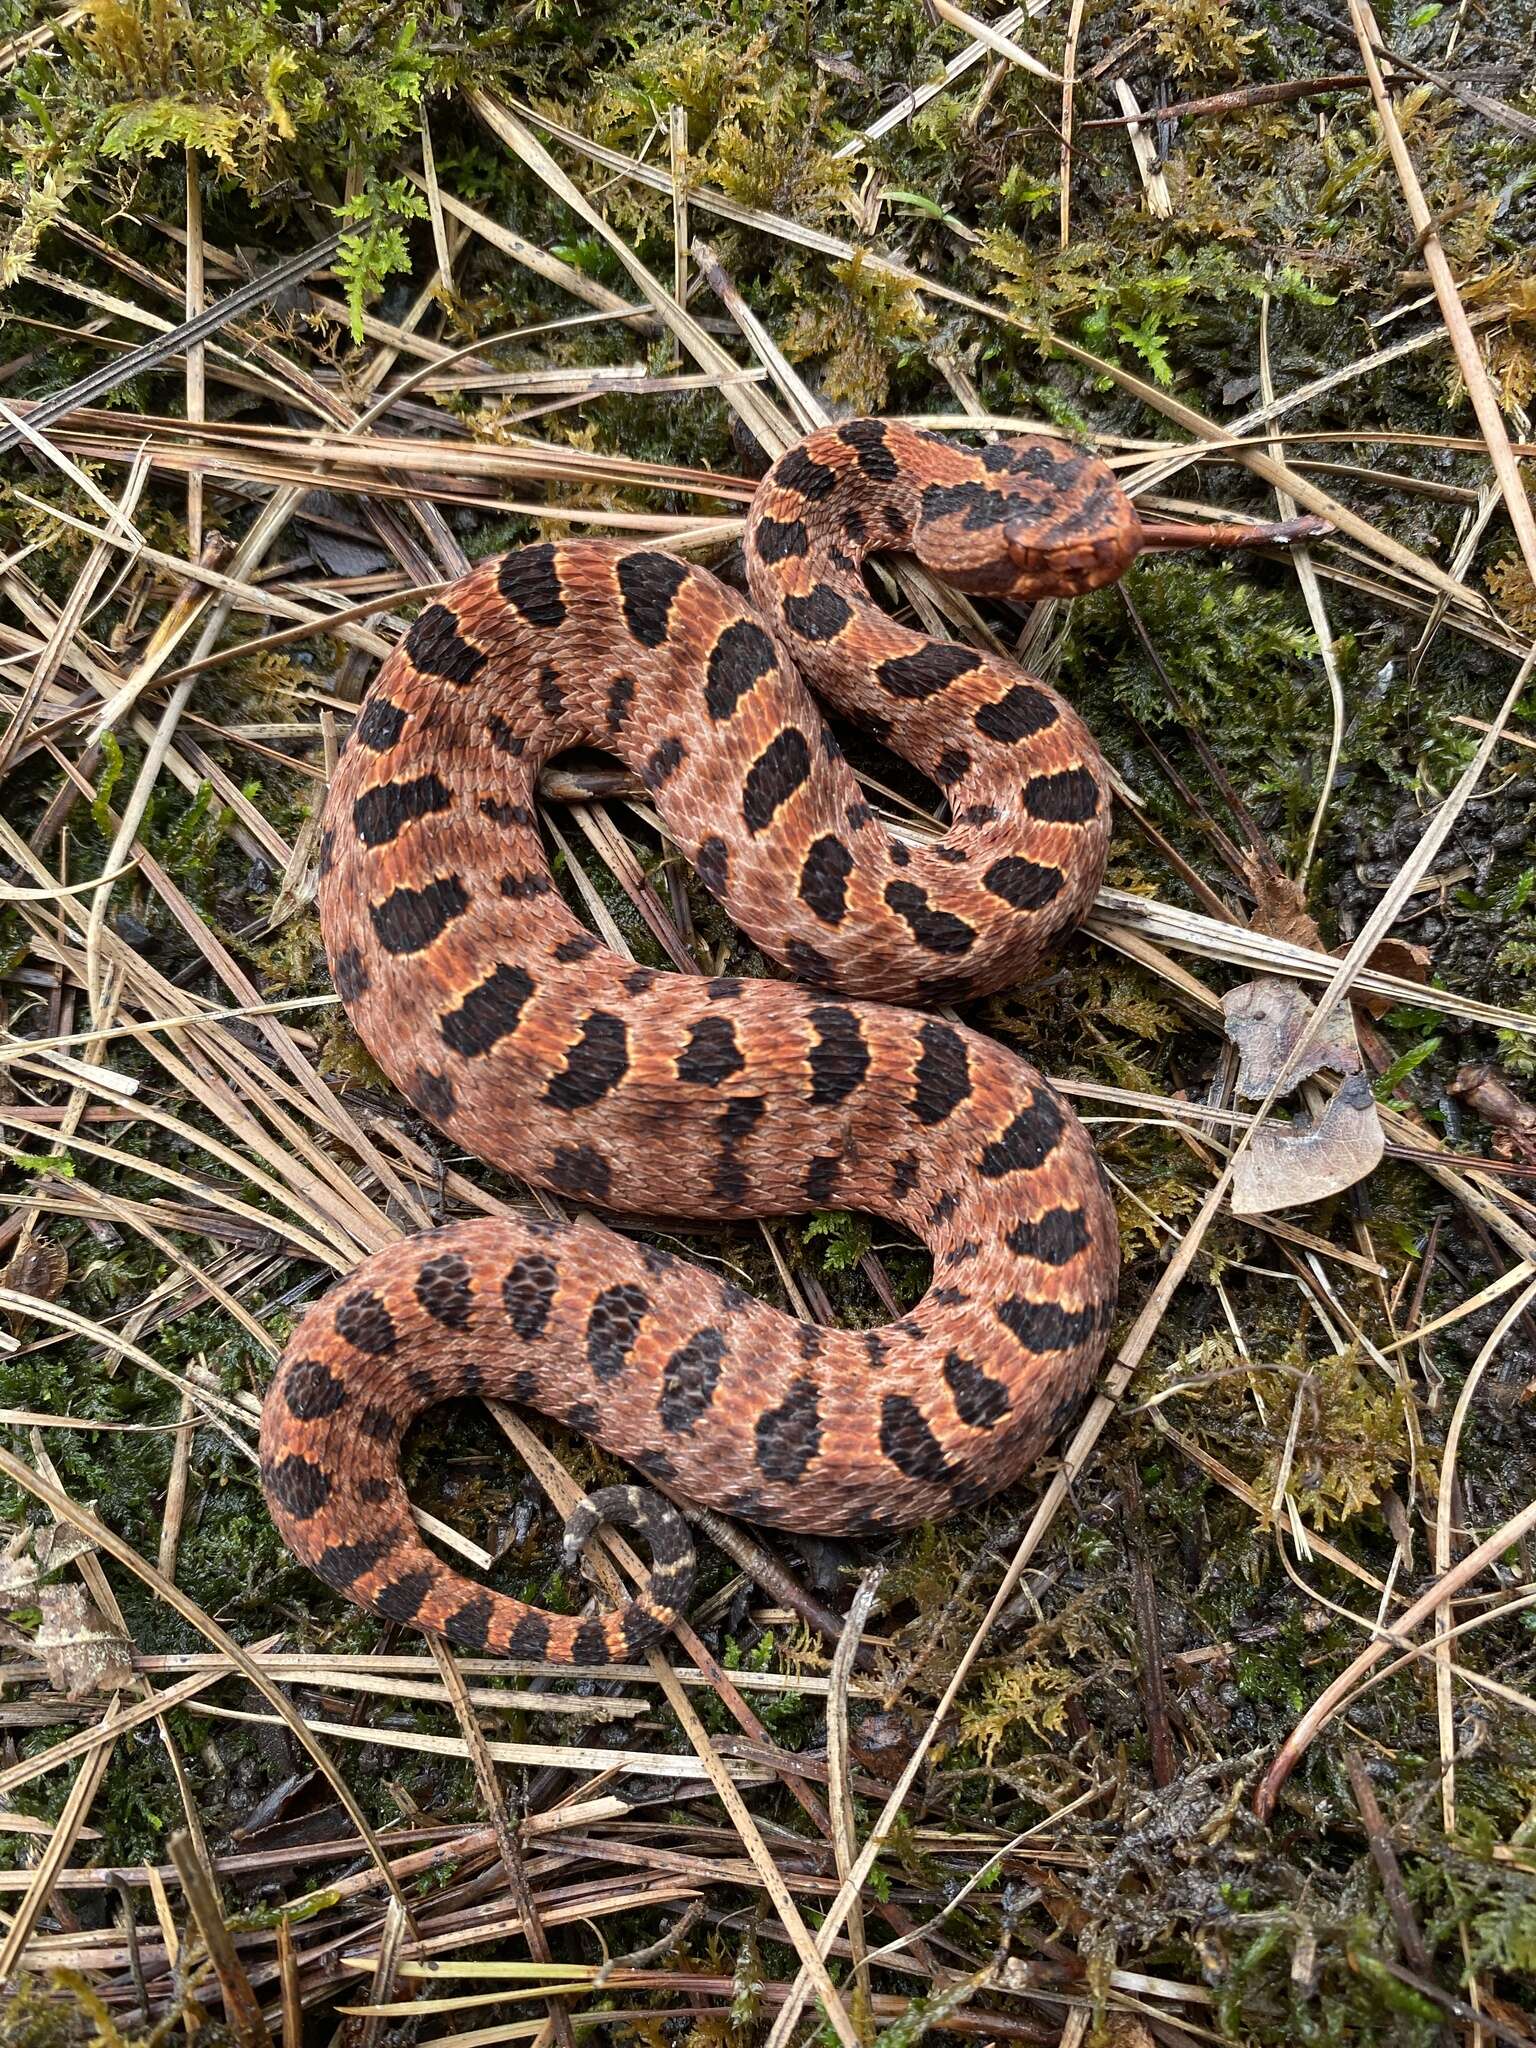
point(1022, 538)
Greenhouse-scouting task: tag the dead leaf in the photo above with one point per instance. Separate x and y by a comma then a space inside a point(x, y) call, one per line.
point(1407, 962)
point(84, 1653)
point(1280, 910)
point(39, 1268)
point(1286, 1165)
point(31, 1554)
point(1125, 2030)
point(1264, 1019)
point(1290, 1164)
point(883, 1744)
point(1400, 957)
point(1487, 1094)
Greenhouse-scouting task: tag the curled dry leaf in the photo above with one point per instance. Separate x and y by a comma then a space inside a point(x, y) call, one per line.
point(1395, 956)
point(31, 1554)
point(1280, 909)
point(1290, 1164)
point(1487, 1094)
point(1286, 1165)
point(84, 1653)
point(39, 1268)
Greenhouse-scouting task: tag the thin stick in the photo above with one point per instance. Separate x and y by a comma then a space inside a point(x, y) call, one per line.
point(1068, 104)
point(176, 1486)
point(1469, 358)
point(1158, 536)
point(197, 355)
point(1384, 1856)
point(1243, 97)
point(242, 2008)
point(839, 1780)
point(1444, 1496)
point(1327, 1703)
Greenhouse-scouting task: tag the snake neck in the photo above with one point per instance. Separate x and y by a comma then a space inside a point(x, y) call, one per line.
point(1026, 785)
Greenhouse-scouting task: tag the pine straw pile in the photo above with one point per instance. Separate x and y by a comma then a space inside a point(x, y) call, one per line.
point(1220, 1728)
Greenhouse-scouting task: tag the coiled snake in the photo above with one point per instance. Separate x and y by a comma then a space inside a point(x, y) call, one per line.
point(529, 1043)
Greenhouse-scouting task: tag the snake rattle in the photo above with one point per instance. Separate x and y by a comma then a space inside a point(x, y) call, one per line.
point(530, 1044)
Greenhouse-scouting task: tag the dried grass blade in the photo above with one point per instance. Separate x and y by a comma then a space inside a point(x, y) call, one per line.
point(108, 1540)
point(82, 1795)
point(1118, 915)
point(501, 1821)
point(918, 98)
point(565, 1494)
point(994, 38)
point(151, 354)
point(1300, 558)
point(241, 2007)
point(755, 410)
point(1127, 1359)
point(1468, 356)
point(839, 1777)
point(1445, 1498)
point(1413, 1617)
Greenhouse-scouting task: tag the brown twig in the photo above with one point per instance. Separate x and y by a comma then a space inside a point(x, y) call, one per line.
point(1151, 1674)
point(1242, 97)
point(1328, 1702)
point(776, 1580)
point(242, 2008)
point(1384, 1856)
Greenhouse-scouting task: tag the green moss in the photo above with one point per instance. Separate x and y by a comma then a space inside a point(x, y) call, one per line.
point(67, 2013)
point(1236, 658)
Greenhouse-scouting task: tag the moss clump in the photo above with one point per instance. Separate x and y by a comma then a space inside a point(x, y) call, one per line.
point(243, 88)
point(1199, 38)
point(858, 338)
point(68, 2014)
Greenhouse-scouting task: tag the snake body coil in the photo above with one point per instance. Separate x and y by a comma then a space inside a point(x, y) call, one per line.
point(530, 1044)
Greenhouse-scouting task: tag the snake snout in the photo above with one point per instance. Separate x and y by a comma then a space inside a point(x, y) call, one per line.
point(1058, 564)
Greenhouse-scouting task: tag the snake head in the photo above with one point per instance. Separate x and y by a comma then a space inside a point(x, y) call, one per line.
point(1049, 520)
